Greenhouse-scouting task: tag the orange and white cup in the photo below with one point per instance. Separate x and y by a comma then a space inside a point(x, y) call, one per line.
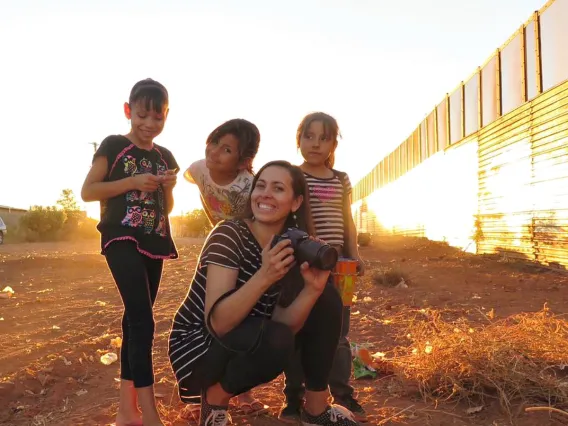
point(345, 278)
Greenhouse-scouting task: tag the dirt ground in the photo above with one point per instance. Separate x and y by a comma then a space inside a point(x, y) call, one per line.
point(65, 311)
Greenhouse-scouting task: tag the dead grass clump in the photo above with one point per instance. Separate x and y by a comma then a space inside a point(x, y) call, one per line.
point(520, 359)
point(390, 276)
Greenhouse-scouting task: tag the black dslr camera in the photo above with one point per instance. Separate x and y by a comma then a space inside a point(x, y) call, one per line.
point(318, 255)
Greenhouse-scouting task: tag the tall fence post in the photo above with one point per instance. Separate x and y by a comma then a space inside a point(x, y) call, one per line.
point(462, 102)
point(499, 106)
point(448, 133)
point(436, 138)
point(523, 34)
point(536, 19)
point(479, 100)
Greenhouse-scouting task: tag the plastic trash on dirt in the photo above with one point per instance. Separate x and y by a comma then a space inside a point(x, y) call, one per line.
point(6, 293)
point(402, 284)
point(362, 362)
point(109, 358)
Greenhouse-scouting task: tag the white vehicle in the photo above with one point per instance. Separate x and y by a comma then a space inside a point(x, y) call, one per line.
point(3, 230)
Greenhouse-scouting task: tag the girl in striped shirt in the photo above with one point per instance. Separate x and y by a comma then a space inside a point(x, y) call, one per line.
point(330, 203)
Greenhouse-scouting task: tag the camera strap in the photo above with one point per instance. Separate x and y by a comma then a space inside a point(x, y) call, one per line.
point(257, 340)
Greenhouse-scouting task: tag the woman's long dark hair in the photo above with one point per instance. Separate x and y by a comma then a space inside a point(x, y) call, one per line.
point(303, 219)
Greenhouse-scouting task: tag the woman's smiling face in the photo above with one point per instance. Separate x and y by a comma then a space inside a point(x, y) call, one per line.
point(273, 198)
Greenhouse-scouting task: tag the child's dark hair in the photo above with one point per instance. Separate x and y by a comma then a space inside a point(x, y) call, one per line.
point(246, 133)
point(152, 93)
point(331, 129)
point(303, 219)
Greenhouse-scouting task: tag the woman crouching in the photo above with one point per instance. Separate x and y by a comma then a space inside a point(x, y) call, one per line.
point(231, 334)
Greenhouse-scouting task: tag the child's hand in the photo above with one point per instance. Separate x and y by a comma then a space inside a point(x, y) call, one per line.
point(169, 180)
point(146, 182)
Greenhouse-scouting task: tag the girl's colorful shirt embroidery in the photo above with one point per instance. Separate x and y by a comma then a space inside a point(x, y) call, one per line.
point(138, 216)
point(223, 202)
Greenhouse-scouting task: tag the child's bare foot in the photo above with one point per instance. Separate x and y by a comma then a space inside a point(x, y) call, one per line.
point(152, 420)
point(130, 419)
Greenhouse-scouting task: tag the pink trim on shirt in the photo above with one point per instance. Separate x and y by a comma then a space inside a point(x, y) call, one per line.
point(161, 156)
point(144, 252)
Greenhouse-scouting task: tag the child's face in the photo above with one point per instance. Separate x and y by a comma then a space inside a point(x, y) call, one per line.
point(315, 144)
point(146, 124)
point(223, 155)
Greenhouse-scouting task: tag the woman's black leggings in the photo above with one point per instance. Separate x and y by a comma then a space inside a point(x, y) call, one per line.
point(138, 279)
point(238, 373)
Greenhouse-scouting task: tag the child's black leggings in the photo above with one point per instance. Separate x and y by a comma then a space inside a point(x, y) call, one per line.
point(138, 278)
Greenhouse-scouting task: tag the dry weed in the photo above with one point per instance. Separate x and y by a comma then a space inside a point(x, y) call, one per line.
point(520, 359)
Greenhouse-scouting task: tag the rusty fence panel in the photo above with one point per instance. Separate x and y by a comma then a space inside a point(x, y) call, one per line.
point(549, 136)
point(505, 211)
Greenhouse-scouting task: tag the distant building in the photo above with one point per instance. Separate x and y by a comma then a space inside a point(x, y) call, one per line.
point(11, 215)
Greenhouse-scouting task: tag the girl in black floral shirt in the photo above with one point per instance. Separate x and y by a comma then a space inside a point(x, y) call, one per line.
point(133, 179)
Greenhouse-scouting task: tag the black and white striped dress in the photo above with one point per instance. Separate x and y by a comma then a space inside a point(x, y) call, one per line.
point(326, 201)
point(231, 245)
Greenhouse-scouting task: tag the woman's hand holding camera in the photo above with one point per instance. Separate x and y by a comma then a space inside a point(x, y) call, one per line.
point(277, 261)
point(314, 279)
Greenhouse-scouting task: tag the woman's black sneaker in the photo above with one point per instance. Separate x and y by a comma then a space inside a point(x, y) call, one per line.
point(352, 405)
point(334, 415)
point(213, 415)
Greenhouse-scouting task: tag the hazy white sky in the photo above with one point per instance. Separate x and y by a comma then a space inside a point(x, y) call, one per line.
point(377, 66)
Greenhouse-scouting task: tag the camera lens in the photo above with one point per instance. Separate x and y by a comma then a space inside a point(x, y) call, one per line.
point(326, 258)
point(318, 255)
